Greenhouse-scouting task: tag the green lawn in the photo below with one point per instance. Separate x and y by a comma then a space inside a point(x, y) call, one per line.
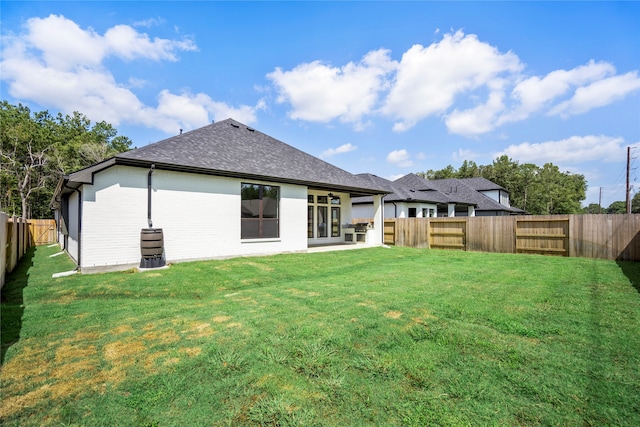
point(377, 336)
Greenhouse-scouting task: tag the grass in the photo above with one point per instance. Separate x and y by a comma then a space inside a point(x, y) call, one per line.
point(378, 336)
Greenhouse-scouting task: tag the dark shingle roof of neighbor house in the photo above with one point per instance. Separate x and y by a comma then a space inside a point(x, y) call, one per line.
point(470, 189)
point(230, 148)
point(482, 184)
point(467, 191)
point(410, 188)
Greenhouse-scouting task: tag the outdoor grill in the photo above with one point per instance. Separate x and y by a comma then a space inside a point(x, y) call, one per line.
point(357, 230)
point(361, 227)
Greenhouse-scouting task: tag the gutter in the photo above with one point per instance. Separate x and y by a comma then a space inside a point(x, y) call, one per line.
point(153, 166)
point(382, 225)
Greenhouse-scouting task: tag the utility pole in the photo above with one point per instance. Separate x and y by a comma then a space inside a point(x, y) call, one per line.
point(600, 202)
point(628, 187)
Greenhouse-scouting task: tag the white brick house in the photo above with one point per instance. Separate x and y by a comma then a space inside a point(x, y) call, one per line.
point(219, 191)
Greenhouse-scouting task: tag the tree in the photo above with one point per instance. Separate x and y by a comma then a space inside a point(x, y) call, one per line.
point(618, 207)
point(448, 172)
point(469, 169)
point(36, 149)
point(593, 208)
point(23, 154)
point(635, 203)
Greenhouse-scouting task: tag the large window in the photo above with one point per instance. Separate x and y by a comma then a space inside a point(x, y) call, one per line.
point(260, 211)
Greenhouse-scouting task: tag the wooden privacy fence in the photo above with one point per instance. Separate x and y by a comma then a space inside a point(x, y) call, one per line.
point(615, 237)
point(17, 235)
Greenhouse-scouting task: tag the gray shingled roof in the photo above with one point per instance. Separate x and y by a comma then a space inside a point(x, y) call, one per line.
point(460, 188)
point(413, 188)
point(482, 184)
point(410, 187)
point(230, 148)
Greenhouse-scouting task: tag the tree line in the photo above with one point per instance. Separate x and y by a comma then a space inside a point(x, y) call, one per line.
point(37, 149)
point(538, 190)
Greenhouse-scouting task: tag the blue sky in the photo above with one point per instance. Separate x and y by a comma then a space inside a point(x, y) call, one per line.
point(382, 87)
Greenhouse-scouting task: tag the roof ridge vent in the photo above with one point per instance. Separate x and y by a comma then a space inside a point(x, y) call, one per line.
point(235, 125)
point(250, 129)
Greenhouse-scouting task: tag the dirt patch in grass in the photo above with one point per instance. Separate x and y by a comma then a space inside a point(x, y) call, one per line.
point(67, 298)
point(67, 352)
point(247, 300)
point(261, 267)
point(191, 351)
point(200, 330)
point(14, 404)
point(153, 274)
point(150, 359)
point(81, 316)
point(234, 325)
point(56, 373)
point(122, 329)
point(369, 304)
point(123, 352)
point(301, 293)
point(161, 337)
point(172, 361)
point(393, 314)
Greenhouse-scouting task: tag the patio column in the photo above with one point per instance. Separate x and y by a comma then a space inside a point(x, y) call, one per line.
point(472, 210)
point(375, 237)
point(452, 209)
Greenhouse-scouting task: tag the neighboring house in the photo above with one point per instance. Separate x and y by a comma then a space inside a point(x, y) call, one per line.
point(414, 196)
point(219, 191)
point(489, 198)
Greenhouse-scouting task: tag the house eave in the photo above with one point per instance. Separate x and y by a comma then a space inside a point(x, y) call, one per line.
point(85, 176)
point(354, 191)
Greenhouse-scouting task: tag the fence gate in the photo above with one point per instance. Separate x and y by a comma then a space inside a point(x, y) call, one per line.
point(389, 232)
point(43, 231)
point(546, 236)
point(448, 234)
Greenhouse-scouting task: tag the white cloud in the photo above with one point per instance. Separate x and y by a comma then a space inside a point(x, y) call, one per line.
point(400, 158)
point(534, 93)
point(572, 150)
point(58, 64)
point(345, 148)
point(318, 92)
point(189, 111)
point(598, 94)
point(430, 78)
point(63, 44)
point(478, 120)
point(126, 43)
point(151, 22)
